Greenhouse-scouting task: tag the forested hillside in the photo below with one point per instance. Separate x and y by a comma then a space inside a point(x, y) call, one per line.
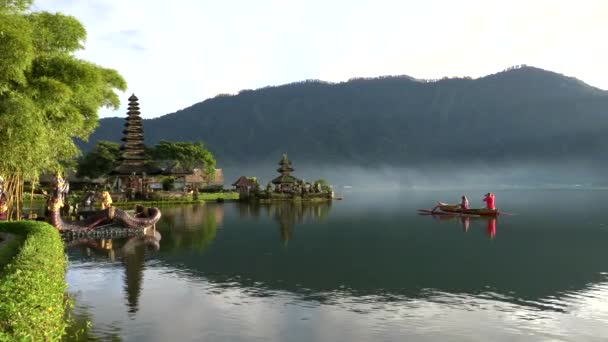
point(520, 114)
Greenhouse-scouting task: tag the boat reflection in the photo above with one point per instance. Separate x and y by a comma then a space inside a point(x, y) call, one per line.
point(465, 222)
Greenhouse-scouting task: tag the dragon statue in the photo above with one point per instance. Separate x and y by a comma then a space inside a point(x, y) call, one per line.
point(107, 221)
point(143, 218)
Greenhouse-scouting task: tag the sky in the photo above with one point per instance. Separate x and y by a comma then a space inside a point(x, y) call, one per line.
point(176, 53)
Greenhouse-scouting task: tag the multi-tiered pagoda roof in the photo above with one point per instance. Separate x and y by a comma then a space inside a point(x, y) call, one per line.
point(133, 158)
point(285, 169)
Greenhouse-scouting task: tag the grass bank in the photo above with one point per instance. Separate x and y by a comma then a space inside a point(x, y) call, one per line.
point(169, 200)
point(220, 195)
point(32, 284)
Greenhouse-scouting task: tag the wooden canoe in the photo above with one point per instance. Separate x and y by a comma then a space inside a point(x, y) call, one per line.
point(457, 210)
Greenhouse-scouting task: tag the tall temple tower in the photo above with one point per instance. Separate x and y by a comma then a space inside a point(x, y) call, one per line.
point(285, 181)
point(133, 162)
point(285, 167)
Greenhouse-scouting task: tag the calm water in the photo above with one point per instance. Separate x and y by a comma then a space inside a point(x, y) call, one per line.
point(368, 268)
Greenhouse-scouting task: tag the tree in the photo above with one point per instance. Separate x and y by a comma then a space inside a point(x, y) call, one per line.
point(100, 160)
point(322, 184)
point(256, 186)
point(47, 95)
point(189, 155)
point(168, 183)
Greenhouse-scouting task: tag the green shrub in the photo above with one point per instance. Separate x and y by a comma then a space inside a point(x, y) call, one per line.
point(10, 250)
point(32, 285)
point(168, 183)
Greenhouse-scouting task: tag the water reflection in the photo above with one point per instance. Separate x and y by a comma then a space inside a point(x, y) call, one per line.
point(491, 228)
point(134, 267)
point(406, 254)
point(374, 271)
point(465, 222)
point(80, 328)
point(131, 252)
point(287, 214)
point(190, 227)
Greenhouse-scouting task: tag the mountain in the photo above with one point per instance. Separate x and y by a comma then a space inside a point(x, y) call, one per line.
point(517, 115)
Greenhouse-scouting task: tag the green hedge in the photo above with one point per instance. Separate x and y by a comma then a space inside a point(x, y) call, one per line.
point(10, 249)
point(32, 285)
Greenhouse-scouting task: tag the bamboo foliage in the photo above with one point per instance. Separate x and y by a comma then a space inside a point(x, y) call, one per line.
point(47, 95)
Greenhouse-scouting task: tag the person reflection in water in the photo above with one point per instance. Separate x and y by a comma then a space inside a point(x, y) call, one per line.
point(491, 228)
point(466, 221)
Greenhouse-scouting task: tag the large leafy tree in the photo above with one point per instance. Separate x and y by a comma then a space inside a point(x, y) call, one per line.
point(188, 154)
point(100, 160)
point(105, 156)
point(47, 95)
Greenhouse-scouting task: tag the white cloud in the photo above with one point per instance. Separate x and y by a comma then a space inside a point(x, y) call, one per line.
point(174, 55)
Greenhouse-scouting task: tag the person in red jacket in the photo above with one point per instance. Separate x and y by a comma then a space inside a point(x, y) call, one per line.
point(489, 199)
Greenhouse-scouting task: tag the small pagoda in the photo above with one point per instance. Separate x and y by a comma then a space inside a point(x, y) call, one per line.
point(134, 165)
point(285, 182)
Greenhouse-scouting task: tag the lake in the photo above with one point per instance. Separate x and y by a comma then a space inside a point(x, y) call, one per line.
point(367, 268)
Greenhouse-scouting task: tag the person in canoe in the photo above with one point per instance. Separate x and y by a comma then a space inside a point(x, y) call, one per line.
point(489, 199)
point(464, 204)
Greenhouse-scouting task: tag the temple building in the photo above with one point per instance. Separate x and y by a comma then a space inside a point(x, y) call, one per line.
point(285, 182)
point(244, 186)
point(201, 180)
point(134, 166)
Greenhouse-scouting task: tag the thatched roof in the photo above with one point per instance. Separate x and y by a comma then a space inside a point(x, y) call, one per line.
point(199, 176)
point(176, 169)
point(243, 182)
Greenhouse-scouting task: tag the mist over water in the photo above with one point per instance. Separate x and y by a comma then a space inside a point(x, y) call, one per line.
point(440, 176)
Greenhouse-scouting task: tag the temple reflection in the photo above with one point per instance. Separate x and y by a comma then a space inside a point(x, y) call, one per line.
point(131, 252)
point(287, 214)
point(191, 227)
